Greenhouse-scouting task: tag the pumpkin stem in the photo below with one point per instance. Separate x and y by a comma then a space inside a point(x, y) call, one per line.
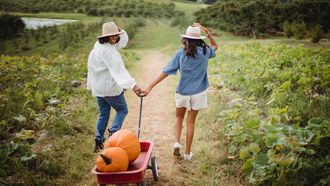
point(106, 159)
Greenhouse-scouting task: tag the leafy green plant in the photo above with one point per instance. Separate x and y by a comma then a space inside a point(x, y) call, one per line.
point(279, 128)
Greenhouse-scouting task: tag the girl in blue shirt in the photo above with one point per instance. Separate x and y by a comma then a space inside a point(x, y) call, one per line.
point(191, 95)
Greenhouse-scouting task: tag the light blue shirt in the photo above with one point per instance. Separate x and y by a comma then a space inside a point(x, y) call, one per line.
point(193, 71)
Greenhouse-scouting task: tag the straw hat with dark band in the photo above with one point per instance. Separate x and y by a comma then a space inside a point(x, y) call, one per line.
point(110, 29)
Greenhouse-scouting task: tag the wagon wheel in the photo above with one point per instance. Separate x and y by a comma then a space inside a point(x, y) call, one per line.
point(154, 168)
point(142, 184)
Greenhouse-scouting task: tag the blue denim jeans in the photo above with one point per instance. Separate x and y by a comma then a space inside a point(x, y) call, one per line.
point(105, 104)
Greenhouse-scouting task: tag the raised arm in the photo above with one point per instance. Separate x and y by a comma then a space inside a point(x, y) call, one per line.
point(208, 34)
point(123, 40)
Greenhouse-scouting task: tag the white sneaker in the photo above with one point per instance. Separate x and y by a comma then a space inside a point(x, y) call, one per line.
point(188, 156)
point(176, 149)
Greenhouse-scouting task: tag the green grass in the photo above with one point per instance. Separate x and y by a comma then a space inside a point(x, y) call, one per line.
point(188, 8)
point(210, 144)
point(156, 35)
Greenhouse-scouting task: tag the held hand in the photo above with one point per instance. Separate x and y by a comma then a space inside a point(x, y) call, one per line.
point(146, 91)
point(137, 90)
point(143, 94)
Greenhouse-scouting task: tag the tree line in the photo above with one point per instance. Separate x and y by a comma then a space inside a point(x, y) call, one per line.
point(251, 18)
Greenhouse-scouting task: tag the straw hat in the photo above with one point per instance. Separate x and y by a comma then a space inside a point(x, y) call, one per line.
point(193, 32)
point(109, 29)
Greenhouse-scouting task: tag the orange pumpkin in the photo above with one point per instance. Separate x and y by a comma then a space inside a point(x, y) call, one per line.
point(112, 159)
point(126, 140)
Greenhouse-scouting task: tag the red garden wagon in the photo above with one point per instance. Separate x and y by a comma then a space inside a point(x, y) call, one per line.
point(136, 170)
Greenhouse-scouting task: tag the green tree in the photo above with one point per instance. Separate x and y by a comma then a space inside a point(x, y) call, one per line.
point(11, 26)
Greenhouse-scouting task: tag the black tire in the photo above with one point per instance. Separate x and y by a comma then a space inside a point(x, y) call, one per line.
point(142, 184)
point(154, 168)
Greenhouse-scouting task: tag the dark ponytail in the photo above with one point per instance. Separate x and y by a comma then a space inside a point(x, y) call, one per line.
point(190, 46)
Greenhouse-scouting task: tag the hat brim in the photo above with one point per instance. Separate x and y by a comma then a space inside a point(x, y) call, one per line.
point(117, 33)
point(191, 37)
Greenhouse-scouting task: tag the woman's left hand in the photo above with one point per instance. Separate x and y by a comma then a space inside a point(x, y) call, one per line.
point(203, 29)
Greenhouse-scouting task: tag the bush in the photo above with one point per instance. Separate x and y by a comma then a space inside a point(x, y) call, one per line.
point(287, 29)
point(92, 12)
point(315, 33)
point(298, 30)
point(80, 10)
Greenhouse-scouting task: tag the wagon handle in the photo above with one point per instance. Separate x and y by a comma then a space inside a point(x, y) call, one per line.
point(140, 117)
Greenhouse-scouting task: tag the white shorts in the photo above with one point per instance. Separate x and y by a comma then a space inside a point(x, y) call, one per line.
point(192, 102)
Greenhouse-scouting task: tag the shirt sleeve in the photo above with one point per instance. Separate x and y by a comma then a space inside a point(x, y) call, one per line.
point(118, 71)
point(172, 67)
point(212, 52)
point(89, 75)
point(88, 81)
point(122, 41)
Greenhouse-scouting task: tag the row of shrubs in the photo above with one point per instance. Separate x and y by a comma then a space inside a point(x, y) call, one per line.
point(300, 31)
point(72, 33)
point(29, 39)
point(66, 35)
point(129, 8)
point(125, 12)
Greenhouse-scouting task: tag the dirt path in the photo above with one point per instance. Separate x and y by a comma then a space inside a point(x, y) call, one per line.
point(157, 119)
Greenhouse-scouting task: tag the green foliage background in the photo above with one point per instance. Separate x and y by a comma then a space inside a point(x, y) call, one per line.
point(250, 18)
